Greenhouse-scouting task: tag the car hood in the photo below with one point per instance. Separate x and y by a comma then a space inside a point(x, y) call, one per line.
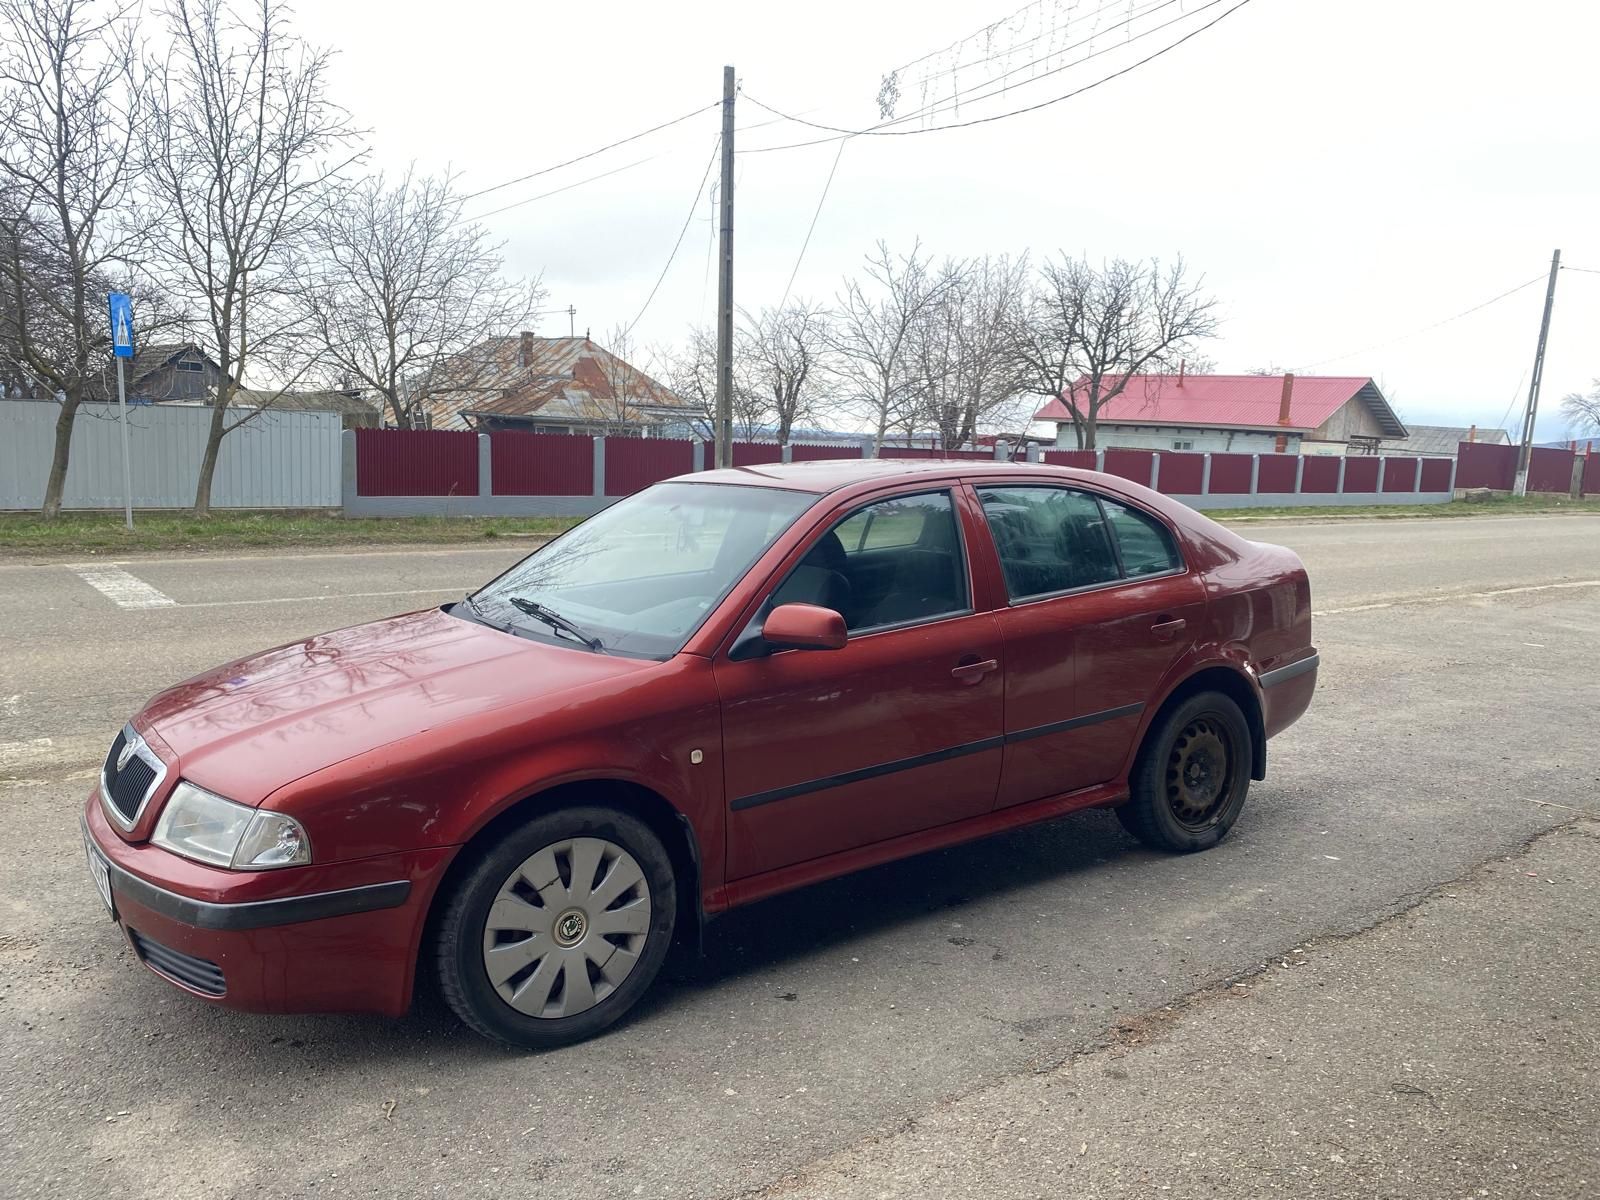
point(247, 728)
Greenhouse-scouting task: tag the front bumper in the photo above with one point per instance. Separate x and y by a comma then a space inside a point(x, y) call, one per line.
point(339, 938)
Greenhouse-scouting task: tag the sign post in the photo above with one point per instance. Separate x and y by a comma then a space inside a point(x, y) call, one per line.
point(121, 305)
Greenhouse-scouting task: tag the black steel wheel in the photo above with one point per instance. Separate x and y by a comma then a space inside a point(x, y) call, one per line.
point(1191, 777)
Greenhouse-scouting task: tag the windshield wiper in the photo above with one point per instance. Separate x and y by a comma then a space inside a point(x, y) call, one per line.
point(471, 602)
point(555, 620)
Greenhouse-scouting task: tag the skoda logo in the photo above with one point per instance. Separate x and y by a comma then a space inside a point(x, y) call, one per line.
point(128, 752)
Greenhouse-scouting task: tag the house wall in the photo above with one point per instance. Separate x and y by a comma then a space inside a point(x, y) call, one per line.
point(1206, 441)
point(169, 383)
point(1353, 419)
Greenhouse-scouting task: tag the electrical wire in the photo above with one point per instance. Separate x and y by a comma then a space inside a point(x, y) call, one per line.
point(953, 101)
point(1507, 416)
point(880, 131)
point(1585, 270)
point(591, 154)
point(1426, 328)
point(557, 191)
point(694, 204)
point(800, 258)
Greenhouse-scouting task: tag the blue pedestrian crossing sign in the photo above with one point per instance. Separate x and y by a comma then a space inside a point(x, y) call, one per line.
point(121, 325)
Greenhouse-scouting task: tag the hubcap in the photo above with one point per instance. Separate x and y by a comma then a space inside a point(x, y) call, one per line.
point(567, 927)
point(1200, 772)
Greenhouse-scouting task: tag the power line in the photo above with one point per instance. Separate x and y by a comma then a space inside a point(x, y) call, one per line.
point(557, 191)
point(1426, 328)
point(1015, 47)
point(952, 102)
point(879, 131)
point(1585, 270)
point(694, 204)
point(591, 154)
point(812, 227)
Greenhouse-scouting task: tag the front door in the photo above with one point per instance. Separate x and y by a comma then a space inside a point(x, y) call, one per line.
point(901, 730)
point(1101, 606)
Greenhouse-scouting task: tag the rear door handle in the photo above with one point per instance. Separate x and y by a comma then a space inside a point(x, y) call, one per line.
point(1167, 630)
point(974, 671)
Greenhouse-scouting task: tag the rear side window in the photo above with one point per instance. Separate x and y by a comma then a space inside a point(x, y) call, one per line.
point(1144, 542)
point(1050, 539)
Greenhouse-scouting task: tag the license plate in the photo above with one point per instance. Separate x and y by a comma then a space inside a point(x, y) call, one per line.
point(101, 874)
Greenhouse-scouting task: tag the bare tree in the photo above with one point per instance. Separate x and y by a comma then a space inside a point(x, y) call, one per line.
point(244, 140)
point(691, 373)
point(69, 115)
point(1085, 332)
point(782, 356)
point(406, 287)
point(1581, 411)
point(872, 336)
point(965, 374)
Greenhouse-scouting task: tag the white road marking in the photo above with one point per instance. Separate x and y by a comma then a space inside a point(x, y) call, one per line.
point(438, 591)
point(123, 589)
point(1512, 591)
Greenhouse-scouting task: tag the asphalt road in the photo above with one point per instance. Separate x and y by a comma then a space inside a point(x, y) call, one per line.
point(1454, 723)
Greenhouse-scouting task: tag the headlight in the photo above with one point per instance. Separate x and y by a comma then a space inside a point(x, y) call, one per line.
point(203, 826)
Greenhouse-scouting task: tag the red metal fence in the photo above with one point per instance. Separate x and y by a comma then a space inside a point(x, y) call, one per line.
point(418, 463)
point(541, 464)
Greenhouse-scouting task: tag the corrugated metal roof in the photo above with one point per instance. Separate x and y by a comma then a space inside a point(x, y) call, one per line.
point(521, 375)
point(1442, 440)
point(1235, 401)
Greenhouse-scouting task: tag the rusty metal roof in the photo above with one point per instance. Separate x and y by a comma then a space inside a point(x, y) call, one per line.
point(521, 375)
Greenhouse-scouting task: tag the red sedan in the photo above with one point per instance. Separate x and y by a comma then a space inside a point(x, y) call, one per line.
point(725, 686)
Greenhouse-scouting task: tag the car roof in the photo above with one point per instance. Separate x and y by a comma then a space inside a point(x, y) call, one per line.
point(832, 474)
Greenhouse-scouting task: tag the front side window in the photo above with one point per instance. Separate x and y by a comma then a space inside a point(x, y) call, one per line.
point(1144, 542)
point(1049, 539)
point(896, 561)
point(642, 575)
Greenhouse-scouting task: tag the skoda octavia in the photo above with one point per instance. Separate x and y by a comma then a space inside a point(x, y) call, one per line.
point(723, 687)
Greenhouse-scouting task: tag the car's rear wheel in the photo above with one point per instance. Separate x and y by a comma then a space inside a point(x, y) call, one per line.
point(1191, 777)
point(558, 928)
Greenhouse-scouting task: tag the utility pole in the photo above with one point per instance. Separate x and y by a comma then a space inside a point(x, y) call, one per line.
point(724, 416)
point(1525, 456)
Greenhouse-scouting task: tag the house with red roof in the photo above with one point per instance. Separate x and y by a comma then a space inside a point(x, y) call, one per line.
point(1246, 414)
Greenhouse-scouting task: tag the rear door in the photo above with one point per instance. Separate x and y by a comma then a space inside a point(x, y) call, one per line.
point(900, 730)
point(1100, 605)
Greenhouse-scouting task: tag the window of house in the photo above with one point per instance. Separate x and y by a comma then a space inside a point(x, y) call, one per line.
point(1049, 539)
point(890, 563)
point(1145, 544)
point(1182, 444)
point(188, 364)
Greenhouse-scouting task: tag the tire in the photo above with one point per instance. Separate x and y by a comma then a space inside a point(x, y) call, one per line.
point(558, 928)
point(1191, 777)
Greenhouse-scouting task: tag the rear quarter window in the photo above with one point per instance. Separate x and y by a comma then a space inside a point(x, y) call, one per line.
point(1145, 544)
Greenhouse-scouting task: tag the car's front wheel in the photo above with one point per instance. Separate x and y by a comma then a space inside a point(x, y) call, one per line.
point(1191, 777)
point(557, 929)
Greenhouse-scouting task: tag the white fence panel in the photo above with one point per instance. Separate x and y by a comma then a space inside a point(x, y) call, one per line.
point(275, 460)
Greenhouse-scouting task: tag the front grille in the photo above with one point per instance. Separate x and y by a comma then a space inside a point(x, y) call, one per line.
point(197, 973)
point(126, 790)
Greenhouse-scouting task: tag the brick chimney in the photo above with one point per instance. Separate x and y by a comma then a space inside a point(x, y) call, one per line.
point(525, 354)
point(1472, 433)
point(1282, 443)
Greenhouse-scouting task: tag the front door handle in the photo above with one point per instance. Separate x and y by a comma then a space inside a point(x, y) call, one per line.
point(973, 670)
point(1167, 630)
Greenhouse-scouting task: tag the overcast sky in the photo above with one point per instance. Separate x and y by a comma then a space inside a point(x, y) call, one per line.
point(1344, 172)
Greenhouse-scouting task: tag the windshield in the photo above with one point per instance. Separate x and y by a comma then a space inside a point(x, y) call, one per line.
point(640, 576)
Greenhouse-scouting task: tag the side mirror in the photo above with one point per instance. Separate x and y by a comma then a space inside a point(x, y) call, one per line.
point(804, 627)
